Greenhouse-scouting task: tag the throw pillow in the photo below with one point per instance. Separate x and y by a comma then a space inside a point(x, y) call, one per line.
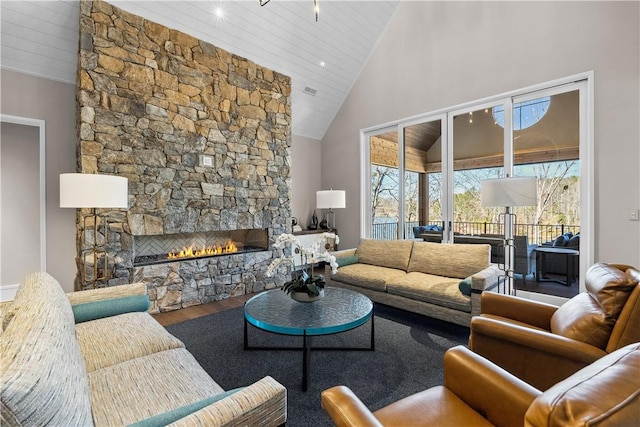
point(346, 260)
point(111, 307)
point(465, 287)
point(560, 241)
point(574, 242)
point(174, 415)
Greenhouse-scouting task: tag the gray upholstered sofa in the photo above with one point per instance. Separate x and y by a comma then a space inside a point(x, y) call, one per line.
point(438, 280)
point(98, 358)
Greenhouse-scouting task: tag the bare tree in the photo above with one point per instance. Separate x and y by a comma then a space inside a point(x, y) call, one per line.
point(384, 185)
point(550, 179)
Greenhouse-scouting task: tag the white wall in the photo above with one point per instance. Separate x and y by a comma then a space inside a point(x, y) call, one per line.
point(306, 159)
point(53, 102)
point(20, 177)
point(435, 55)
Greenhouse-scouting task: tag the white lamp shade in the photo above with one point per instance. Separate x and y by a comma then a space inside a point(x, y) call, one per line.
point(503, 192)
point(331, 199)
point(82, 190)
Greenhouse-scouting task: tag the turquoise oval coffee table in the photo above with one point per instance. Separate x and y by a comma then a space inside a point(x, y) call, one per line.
point(339, 311)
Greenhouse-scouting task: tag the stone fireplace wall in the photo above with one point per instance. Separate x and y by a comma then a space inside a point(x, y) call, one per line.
point(203, 137)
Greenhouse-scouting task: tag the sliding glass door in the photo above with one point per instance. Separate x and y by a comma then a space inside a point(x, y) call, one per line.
point(384, 184)
point(422, 189)
point(404, 195)
point(423, 177)
point(478, 154)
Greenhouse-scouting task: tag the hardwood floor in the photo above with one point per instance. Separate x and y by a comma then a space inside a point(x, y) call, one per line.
point(177, 316)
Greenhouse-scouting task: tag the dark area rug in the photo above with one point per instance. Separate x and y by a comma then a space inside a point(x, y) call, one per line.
point(408, 356)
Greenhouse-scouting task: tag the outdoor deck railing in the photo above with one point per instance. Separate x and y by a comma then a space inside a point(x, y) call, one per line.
point(537, 233)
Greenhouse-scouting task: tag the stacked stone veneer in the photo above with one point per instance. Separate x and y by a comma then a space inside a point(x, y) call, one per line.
point(151, 101)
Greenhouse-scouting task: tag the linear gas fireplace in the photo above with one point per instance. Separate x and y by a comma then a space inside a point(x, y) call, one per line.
point(187, 246)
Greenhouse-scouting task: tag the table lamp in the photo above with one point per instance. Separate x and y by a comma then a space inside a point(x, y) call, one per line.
point(331, 199)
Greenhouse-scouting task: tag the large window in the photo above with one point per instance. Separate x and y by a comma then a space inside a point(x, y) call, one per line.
point(424, 175)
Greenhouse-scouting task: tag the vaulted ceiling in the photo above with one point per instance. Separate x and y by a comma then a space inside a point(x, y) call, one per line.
point(322, 58)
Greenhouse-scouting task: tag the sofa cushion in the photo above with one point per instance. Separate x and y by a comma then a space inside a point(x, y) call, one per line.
point(609, 287)
point(581, 400)
point(465, 286)
point(148, 386)
point(385, 253)
point(116, 339)
point(44, 381)
point(368, 276)
point(346, 260)
point(442, 291)
point(449, 260)
point(583, 320)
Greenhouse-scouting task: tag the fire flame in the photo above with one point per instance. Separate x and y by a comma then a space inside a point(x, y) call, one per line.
point(192, 252)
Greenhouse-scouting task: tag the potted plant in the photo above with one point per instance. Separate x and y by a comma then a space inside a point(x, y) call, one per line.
point(305, 285)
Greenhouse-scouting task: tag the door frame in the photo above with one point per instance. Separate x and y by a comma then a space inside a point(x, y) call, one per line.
point(8, 291)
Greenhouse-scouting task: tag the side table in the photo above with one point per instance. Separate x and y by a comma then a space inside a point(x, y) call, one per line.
point(541, 259)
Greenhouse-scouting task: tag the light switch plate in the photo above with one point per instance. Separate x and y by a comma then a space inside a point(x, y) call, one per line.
point(634, 215)
point(205, 160)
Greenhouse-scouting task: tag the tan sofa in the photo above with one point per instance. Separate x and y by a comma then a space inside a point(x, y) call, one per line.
point(98, 358)
point(443, 281)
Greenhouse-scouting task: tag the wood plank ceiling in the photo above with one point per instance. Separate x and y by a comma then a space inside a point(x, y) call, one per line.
point(41, 38)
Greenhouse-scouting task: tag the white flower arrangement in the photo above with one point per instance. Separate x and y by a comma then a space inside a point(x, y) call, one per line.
point(310, 256)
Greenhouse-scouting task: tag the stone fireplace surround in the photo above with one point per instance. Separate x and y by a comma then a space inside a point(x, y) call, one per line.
point(153, 105)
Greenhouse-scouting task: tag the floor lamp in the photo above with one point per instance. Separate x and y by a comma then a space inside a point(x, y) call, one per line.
point(79, 190)
point(509, 192)
point(331, 199)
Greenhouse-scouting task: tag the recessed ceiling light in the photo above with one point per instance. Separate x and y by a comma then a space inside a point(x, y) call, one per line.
point(322, 63)
point(218, 12)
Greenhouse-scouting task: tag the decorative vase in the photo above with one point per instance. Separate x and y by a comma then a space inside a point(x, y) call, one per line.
point(305, 297)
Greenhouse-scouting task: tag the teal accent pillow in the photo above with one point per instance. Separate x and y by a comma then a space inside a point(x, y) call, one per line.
point(465, 286)
point(174, 415)
point(111, 307)
point(347, 260)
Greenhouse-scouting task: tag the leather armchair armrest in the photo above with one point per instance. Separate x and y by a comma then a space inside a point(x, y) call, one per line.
point(538, 357)
point(531, 312)
point(541, 341)
point(345, 409)
point(487, 388)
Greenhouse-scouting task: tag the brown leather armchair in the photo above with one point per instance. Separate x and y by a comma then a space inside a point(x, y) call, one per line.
point(477, 392)
point(544, 344)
